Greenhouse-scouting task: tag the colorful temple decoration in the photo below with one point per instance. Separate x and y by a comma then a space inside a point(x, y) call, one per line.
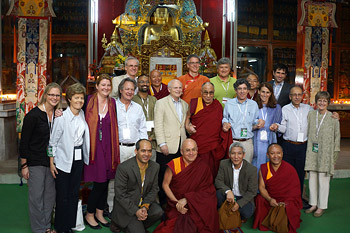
point(317, 20)
point(32, 51)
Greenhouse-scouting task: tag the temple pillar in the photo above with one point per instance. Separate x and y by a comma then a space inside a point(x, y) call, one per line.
point(314, 42)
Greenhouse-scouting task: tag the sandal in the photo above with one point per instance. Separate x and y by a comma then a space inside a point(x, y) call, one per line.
point(50, 231)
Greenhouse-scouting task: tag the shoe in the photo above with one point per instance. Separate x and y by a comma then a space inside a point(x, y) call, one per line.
point(114, 227)
point(318, 213)
point(97, 227)
point(108, 224)
point(306, 205)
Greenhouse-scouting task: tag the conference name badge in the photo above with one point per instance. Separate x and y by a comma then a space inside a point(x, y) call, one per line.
point(244, 132)
point(149, 125)
point(263, 135)
point(126, 133)
point(315, 147)
point(300, 137)
point(77, 154)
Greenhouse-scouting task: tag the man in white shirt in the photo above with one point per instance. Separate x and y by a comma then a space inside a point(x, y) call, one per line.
point(237, 182)
point(131, 120)
point(294, 129)
point(131, 68)
point(169, 127)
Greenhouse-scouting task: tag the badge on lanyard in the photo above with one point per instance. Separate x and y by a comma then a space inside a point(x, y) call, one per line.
point(300, 137)
point(100, 134)
point(149, 125)
point(77, 154)
point(224, 100)
point(126, 133)
point(263, 135)
point(315, 147)
point(49, 151)
point(244, 132)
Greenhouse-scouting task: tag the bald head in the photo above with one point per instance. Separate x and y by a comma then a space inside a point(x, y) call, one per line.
point(155, 78)
point(293, 89)
point(189, 151)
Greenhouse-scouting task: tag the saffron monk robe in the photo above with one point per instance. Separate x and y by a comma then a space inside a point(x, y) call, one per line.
point(278, 183)
point(189, 187)
point(203, 123)
point(192, 81)
point(157, 88)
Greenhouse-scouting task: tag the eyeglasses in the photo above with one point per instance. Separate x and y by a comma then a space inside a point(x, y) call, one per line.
point(296, 95)
point(53, 95)
point(133, 66)
point(193, 63)
point(208, 93)
point(142, 82)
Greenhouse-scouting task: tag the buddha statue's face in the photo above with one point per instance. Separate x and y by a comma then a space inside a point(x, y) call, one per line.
point(161, 15)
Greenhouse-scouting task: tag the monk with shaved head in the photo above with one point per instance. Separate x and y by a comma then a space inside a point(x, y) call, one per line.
point(191, 194)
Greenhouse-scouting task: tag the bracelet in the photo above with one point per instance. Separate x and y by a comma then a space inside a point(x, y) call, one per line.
point(23, 165)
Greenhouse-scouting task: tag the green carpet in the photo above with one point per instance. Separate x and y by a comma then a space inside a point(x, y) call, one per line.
point(14, 212)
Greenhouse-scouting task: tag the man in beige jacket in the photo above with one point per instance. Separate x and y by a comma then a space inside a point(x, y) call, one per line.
point(169, 126)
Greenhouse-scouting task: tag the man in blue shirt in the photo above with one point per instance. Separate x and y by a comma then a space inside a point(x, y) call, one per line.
point(241, 115)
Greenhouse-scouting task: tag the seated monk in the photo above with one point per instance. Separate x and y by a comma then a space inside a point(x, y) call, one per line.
point(278, 183)
point(188, 184)
point(192, 81)
point(203, 123)
point(157, 88)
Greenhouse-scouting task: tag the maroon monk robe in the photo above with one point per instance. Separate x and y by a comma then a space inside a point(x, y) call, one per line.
point(195, 183)
point(283, 186)
point(163, 92)
point(213, 143)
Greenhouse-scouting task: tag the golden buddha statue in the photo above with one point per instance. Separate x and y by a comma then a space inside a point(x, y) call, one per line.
point(161, 21)
point(208, 54)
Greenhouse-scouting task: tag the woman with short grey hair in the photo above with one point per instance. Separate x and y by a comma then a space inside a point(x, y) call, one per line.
point(323, 147)
point(223, 82)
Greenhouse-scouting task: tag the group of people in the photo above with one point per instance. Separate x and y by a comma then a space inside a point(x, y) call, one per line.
point(194, 143)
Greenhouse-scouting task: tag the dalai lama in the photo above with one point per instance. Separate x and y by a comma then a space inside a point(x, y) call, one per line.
point(203, 123)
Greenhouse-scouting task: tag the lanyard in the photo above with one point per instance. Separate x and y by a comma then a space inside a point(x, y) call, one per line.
point(277, 95)
point(262, 114)
point(318, 127)
point(227, 86)
point(48, 120)
point(298, 119)
point(245, 113)
point(145, 105)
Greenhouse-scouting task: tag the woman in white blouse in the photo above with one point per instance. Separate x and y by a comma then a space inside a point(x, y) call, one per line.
point(68, 150)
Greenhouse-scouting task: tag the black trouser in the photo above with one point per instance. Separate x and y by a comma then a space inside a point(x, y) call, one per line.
point(295, 155)
point(98, 197)
point(67, 196)
point(163, 160)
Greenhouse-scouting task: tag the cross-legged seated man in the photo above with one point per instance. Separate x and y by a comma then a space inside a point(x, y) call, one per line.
point(237, 182)
point(188, 184)
point(278, 183)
